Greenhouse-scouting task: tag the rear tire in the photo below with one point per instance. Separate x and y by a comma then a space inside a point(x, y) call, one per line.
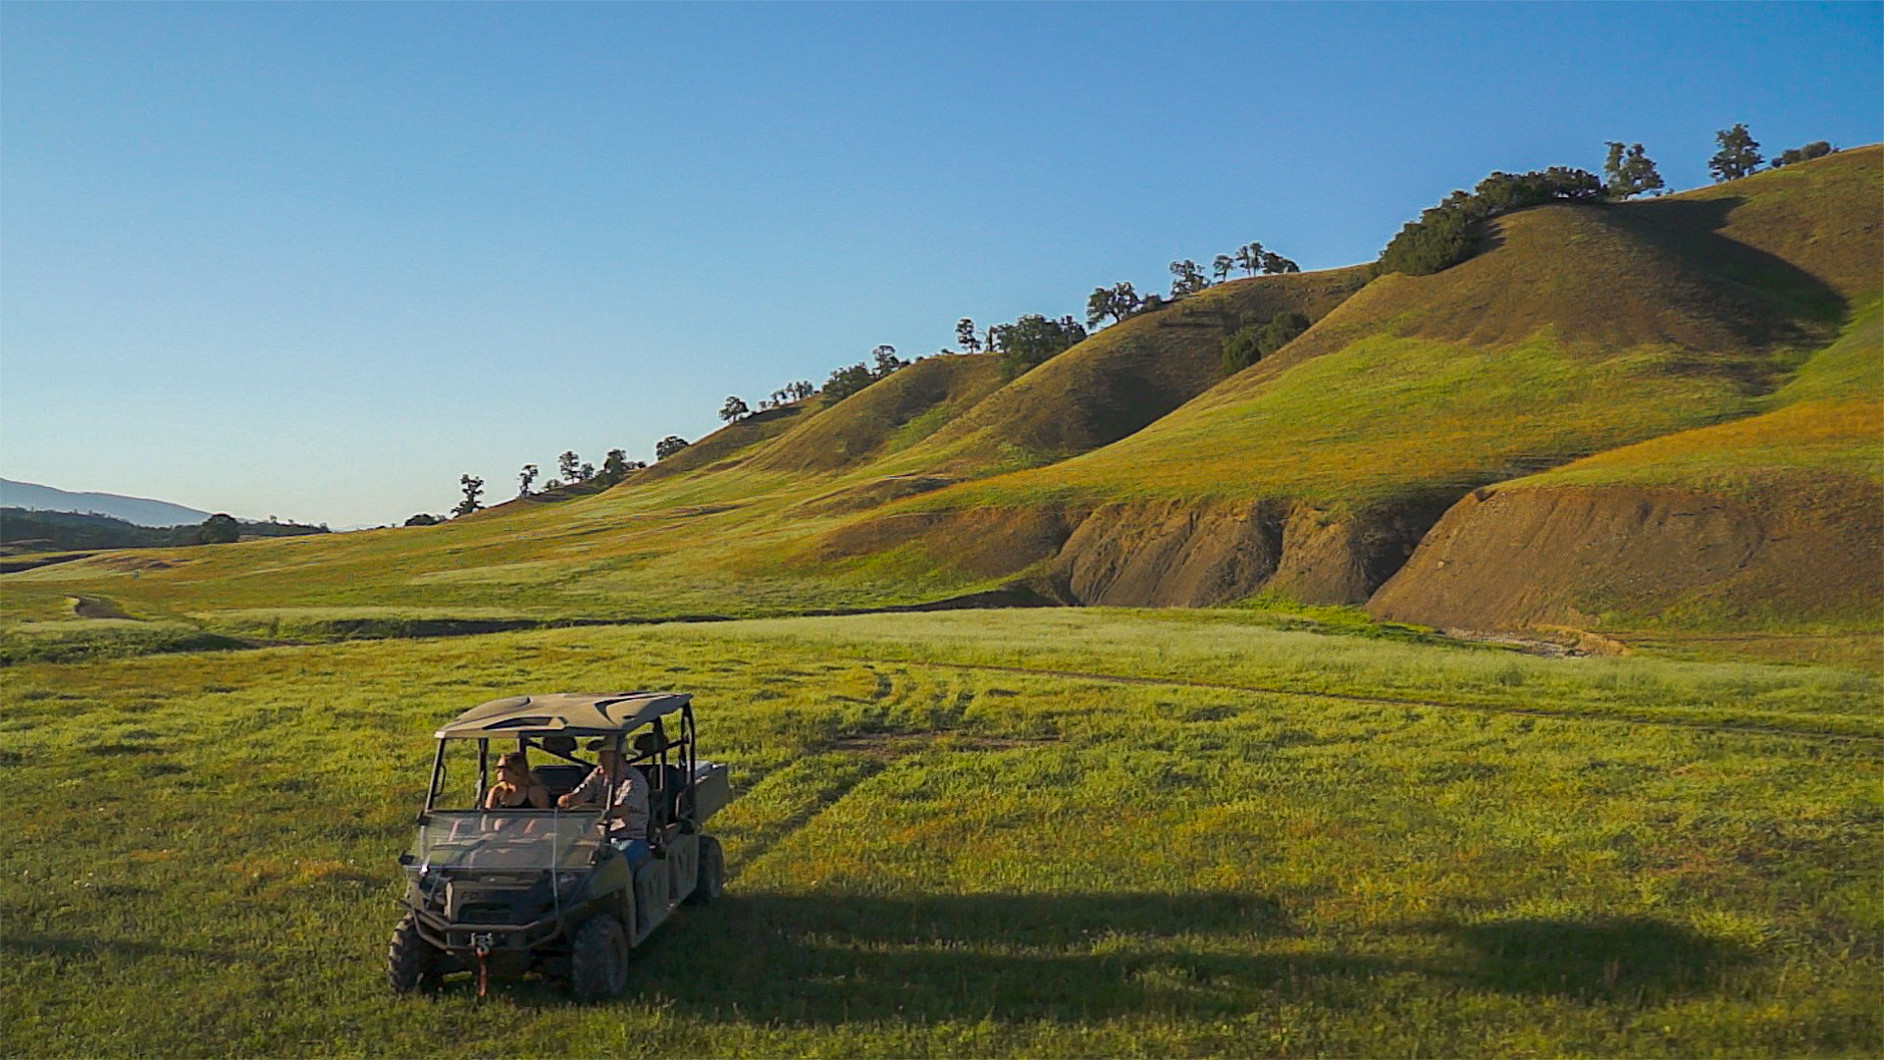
point(411, 962)
point(598, 959)
point(712, 879)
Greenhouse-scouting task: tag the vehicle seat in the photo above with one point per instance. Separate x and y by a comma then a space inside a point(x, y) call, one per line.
point(663, 806)
point(560, 779)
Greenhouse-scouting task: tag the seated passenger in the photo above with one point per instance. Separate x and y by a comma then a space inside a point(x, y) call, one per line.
point(627, 814)
point(516, 787)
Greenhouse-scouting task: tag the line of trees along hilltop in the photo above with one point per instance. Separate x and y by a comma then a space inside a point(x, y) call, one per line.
point(1122, 300)
point(1028, 341)
point(1449, 233)
point(572, 470)
point(1443, 236)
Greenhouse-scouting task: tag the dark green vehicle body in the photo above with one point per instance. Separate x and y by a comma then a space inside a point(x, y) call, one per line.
point(510, 891)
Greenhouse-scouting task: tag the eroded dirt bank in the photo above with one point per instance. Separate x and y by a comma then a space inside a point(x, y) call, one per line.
point(1342, 558)
point(1186, 554)
point(1169, 553)
point(1518, 558)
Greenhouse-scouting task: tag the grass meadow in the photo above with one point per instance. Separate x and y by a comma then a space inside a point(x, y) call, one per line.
point(1054, 832)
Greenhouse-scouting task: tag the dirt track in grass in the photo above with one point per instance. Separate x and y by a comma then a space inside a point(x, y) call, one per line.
point(1399, 701)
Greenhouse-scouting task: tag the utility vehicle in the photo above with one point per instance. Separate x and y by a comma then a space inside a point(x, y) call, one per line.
point(512, 891)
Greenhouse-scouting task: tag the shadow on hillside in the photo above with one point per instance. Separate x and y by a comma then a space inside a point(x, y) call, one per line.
point(1797, 306)
point(807, 960)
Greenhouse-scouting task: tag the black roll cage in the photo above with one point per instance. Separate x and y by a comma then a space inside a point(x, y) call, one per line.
point(683, 802)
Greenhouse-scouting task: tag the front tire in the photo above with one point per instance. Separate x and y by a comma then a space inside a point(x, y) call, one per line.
point(411, 962)
point(712, 879)
point(598, 959)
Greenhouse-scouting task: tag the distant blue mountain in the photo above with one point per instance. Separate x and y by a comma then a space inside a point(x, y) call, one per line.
point(139, 510)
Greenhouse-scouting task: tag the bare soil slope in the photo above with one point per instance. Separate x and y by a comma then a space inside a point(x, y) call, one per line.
point(1773, 520)
point(1588, 556)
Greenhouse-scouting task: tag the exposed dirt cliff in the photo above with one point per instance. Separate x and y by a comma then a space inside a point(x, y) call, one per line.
point(1514, 558)
point(1170, 553)
point(1161, 553)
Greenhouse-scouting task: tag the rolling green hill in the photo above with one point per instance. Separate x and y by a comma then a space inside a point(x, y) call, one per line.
point(1584, 329)
point(1124, 378)
point(1720, 344)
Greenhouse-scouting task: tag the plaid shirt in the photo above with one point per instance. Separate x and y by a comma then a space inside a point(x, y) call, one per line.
point(631, 797)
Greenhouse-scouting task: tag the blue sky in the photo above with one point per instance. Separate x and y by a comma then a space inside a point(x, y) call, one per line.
point(319, 260)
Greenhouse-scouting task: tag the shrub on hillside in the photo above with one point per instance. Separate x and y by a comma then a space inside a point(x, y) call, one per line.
point(1815, 149)
point(668, 446)
point(847, 381)
point(1504, 192)
point(1447, 234)
point(424, 519)
point(1239, 350)
point(1032, 340)
point(1252, 343)
point(219, 529)
point(1443, 236)
point(1279, 332)
point(854, 377)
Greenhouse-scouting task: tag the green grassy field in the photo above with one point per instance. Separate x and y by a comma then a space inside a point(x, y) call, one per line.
point(1029, 832)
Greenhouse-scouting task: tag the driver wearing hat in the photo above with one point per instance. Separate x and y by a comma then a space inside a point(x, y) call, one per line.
point(627, 813)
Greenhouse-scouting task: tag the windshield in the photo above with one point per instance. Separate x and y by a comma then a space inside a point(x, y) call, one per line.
point(506, 839)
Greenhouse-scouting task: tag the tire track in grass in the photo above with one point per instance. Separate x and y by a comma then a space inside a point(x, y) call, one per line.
point(1749, 729)
point(815, 784)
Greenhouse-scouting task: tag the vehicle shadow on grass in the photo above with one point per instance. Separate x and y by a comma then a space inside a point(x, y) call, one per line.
point(1612, 958)
point(826, 959)
point(816, 960)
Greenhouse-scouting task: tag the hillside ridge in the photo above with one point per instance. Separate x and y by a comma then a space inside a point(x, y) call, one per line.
point(1594, 373)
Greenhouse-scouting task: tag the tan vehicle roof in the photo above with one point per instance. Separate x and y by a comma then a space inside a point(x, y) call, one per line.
point(571, 713)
